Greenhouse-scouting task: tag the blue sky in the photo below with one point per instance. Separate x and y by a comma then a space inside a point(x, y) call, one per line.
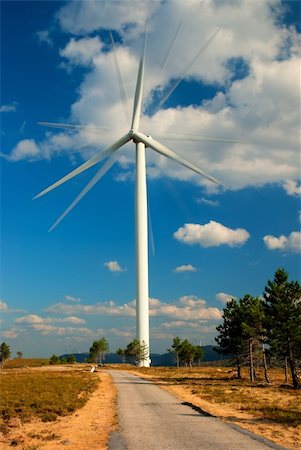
point(62, 290)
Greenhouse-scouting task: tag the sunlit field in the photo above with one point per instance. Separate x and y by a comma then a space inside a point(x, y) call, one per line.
point(28, 394)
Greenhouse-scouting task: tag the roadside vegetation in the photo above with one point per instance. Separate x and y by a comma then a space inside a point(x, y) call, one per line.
point(29, 394)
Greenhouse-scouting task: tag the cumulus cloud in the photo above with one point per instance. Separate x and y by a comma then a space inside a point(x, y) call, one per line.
point(291, 243)
point(8, 108)
point(185, 268)
point(35, 319)
point(81, 51)
point(114, 266)
point(185, 308)
point(207, 201)
point(86, 17)
point(12, 333)
point(60, 331)
point(44, 37)
point(3, 306)
point(253, 63)
point(25, 149)
point(292, 188)
point(70, 298)
point(223, 297)
point(211, 234)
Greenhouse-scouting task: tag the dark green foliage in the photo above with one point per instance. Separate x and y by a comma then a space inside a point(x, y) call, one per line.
point(98, 350)
point(185, 352)
point(251, 322)
point(54, 359)
point(230, 340)
point(136, 351)
point(4, 353)
point(122, 353)
point(282, 302)
point(71, 359)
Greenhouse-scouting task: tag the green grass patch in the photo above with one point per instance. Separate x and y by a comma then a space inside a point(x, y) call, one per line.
point(45, 395)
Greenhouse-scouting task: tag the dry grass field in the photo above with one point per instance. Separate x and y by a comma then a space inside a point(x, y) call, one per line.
point(270, 410)
point(67, 405)
point(54, 406)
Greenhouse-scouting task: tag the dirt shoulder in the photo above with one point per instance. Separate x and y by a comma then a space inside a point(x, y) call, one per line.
point(89, 427)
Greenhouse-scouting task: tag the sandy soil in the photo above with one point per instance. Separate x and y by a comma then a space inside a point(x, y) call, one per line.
point(87, 428)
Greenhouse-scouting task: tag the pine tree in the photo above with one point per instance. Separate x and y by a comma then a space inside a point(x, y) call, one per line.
point(98, 350)
point(138, 350)
point(282, 301)
point(4, 353)
point(253, 331)
point(175, 348)
point(230, 340)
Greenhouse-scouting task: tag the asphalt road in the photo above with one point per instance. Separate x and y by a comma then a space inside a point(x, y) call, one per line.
point(152, 419)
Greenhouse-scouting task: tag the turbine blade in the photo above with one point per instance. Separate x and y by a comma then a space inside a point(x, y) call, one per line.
point(193, 137)
point(163, 150)
point(68, 126)
point(171, 46)
point(101, 172)
point(91, 162)
point(184, 72)
point(139, 91)
point(122, 89)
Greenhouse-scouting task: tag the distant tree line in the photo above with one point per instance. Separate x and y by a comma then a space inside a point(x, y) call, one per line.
point(261, 330)
point(186, 353)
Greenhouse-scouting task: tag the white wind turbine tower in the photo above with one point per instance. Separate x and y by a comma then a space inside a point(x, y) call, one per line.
point(141, 141)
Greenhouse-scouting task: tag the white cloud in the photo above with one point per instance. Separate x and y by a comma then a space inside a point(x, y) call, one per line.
point(60, 331)
point(8, 108)
point(44, 37)
point(84, 17)
point(34, 319)
point(223, 297)
point(206, 201)
point(211, 234)
point(179, 324)
point(185, 268)
point(291, 243)
point(25, 149)
point(114, 266)
point(106, 308)
point(291, 188)
point(3, 306)
point(70, 298)
point(82, 51)
point(186, 307)
point(260, 106)
point(12, 333)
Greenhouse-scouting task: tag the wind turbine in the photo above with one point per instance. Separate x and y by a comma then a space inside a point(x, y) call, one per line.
point(141, 141)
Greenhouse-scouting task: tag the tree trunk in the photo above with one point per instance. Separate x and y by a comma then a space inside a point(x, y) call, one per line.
point(293, 367)
point(265, 366)
point(286, 370)
point(252, 378)
point(238, 368)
